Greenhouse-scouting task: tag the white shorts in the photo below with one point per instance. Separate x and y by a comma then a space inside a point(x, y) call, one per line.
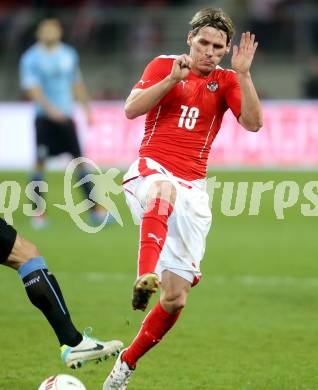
point(188, 224)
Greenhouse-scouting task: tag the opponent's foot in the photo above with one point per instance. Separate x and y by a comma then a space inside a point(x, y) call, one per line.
point(119, 376)
point(89, 349)
point(143, 288)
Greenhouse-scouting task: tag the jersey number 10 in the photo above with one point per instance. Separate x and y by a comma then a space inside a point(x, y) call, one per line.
point(188, 117)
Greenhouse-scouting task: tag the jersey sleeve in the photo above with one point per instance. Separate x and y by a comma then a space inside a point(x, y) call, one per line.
point(233, 94)
point(29, 76)
point(154, 72)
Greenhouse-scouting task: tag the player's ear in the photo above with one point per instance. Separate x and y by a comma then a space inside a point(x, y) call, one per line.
point(190, 37)
point(228, 47)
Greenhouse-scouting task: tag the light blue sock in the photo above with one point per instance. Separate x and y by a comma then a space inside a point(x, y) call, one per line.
point(34, 264)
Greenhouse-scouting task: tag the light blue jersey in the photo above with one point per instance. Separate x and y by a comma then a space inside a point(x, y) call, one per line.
point(54, 71)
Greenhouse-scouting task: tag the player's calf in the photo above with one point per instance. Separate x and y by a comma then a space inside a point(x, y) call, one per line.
point(22, 251)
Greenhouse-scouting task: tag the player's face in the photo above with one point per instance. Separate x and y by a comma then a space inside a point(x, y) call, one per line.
point(207, 48)
point(50, 33)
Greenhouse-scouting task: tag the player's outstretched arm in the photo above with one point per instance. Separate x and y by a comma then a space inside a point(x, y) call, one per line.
point(140, 101)
point(251, 117)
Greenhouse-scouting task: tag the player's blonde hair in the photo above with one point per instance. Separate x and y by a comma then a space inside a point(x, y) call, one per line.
point(213, 17)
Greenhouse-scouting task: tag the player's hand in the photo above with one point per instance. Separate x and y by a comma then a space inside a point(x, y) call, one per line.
point(181, 68)
point(244, 53)
point(57, 116)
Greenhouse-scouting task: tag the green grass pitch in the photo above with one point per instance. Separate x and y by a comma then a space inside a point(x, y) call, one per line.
point(251, 323)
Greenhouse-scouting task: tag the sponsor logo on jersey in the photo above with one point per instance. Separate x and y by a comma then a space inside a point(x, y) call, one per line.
point(213, 86)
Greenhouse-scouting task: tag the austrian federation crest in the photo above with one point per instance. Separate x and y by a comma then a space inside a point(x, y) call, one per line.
point(213, 86)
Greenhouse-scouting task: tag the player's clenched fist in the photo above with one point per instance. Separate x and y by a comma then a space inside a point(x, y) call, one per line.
point(181, 67)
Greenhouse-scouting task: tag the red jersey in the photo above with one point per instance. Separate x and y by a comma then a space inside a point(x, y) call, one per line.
point(180, 129)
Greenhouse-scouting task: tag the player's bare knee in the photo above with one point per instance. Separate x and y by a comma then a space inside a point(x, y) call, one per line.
point(173, 306)
point(163, 190)
point(167, 191)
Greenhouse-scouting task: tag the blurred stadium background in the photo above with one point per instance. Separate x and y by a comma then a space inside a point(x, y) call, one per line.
point(251, 324)
point(115, 40)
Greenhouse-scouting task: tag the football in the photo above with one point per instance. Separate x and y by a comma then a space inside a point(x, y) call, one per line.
point(62, 382)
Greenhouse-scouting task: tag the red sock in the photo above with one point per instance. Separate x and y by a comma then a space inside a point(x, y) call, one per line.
point(154, 229)
point(156, 324)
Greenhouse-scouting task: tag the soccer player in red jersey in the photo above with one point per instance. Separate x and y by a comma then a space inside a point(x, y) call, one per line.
point(185, 98)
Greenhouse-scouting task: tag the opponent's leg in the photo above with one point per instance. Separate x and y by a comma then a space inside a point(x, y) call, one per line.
point(44, 292)
point(43, 289)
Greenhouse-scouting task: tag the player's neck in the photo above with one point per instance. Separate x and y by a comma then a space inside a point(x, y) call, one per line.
point(50, 46)
point(198, 73)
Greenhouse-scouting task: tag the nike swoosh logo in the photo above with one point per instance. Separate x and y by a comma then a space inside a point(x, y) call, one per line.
point(98, 347)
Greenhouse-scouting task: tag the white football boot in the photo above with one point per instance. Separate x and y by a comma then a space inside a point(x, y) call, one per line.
point(89, 349)
point(119, 376)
